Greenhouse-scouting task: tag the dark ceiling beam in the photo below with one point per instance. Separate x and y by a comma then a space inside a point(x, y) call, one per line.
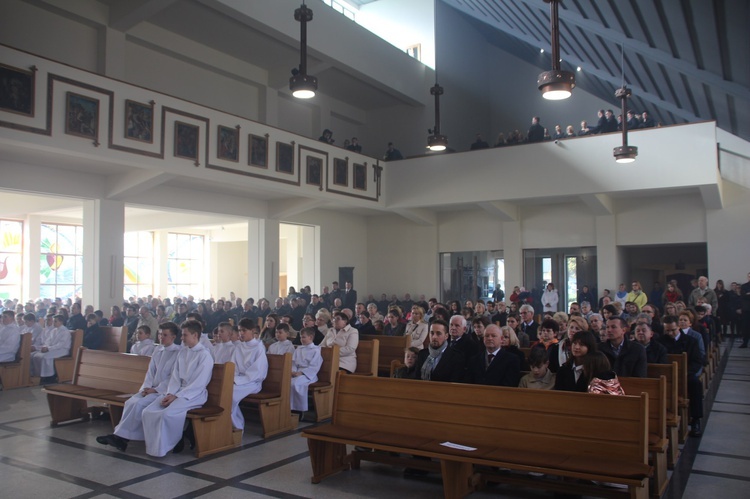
point(656, 55)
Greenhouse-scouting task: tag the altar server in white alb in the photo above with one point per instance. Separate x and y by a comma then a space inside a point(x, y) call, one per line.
point(306, 363)
point(251, 368)
point(30, 325)
point(55, 343)
point(164, 419)
point(10, 337)
point(204, 339)
point(282, 344)
point(157, 378)
point(145, 345)
point(224, 348)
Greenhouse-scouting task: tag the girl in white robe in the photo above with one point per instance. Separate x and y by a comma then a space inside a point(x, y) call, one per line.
point(156, 383)
point(164, 419)
point(251, 368)
point(55, 343)
point(306, 363)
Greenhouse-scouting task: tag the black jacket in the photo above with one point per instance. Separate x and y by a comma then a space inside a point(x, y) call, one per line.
point(504, 370)
point(632, 359)
point(451, 367)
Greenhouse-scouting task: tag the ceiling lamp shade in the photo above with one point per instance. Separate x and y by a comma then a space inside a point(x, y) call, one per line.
point(436, 142)
point(556, 84)
point(303, 85)
point(624, 153)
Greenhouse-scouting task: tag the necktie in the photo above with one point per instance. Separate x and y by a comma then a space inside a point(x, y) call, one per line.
point(489, 359)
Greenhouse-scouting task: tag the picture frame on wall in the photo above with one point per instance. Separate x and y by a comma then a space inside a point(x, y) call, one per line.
point(81, 116)
point(186, 140)
point(314, 171)
point(258, 154)
point(17, 88)
point(360, 177)
point(139, 121)
point(340, 172)
point(285, 158)
point(228, 143)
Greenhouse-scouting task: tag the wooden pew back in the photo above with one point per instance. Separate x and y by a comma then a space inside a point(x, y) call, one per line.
point(390, 348)
point(562, 423)
point(322, 390)
point(274, 398)
point(110, 370)
point(669, 372)
point(64, 366)
point(681, 360)
point(114, 340)
point(656, 388)
point(368, 352)
point(16, 374)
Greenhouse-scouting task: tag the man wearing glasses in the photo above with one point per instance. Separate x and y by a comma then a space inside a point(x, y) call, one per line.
point(528, 325)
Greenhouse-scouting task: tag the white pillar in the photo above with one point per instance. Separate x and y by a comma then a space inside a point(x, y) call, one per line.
point(32, 242)
point(513, 255)
point(103, 252)
point(263, 259)
point(161, 252)
point(607, 255)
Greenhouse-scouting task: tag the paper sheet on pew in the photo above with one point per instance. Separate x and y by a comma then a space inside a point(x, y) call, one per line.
point(458, 446)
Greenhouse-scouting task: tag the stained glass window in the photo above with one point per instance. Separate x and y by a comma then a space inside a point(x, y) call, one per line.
point(61, 265)
point(11, 259)
point(139, 264)
point(185, 266)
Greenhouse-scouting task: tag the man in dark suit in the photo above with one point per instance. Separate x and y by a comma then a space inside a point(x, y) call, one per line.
point(494, 366)
point(601, 124)
point(465, 343)
point(349, 296)
point(627, 358)
point(536, 131)
point(528, 324)
point(676, 343)
point(439, 362)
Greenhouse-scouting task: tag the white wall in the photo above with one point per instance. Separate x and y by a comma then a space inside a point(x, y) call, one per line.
point(728, 235)
point(229, 269)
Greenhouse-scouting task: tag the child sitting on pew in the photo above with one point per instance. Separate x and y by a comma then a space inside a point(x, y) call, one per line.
point(223, 348)
point(282, 344)
point(306, 363)
point(251, 368)
point(409, 369)
point(92, 335)
point(540, 377)
point(145, 345)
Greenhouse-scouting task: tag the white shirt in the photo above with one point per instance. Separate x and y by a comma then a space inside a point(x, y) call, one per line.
point(223, 352)
point(145, 347)
point(10, 341)
point(281, 347)
point(160, 367)
point(251, 363)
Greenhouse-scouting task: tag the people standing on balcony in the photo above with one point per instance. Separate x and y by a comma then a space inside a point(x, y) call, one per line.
point(536, 131)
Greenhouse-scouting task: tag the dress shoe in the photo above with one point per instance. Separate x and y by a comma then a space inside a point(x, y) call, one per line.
point(118, 443)
point(179, 447)
point(695, 428)
point(190, 436)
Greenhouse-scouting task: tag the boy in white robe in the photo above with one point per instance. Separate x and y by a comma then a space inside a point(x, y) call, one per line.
point(251, 368)
point(30, 325)
point(10, 337)
point(49, 325)
point(282, 344)
point(157, 379)
point(164, 419)
point(223, 348)
point(306, 363)
point(204, 339)
point(145, 345)
point(55, 344)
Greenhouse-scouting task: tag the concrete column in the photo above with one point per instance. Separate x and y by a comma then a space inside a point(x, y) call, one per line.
point(513, 254)
point(32, 242)
point(161, 252)
point(263, 259)
point(103, 252)
point(607, 255)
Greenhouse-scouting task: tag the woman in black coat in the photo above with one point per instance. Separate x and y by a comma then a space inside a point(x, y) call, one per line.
point(570, 377)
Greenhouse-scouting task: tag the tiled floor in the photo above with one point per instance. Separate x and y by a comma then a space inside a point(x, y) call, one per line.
point(39, 461)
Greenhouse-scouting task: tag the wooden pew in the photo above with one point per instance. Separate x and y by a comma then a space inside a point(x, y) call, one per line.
point(17, 374)
point(389, 348)
point(64, 366)
point(274, 399)
point(104, 377)
point(683, 399)
point(399, 416)
point(658, 443)
point(322, 390)
point(669, 372)
point(212, 423)
point(368, 352)
point(111, 378)
point(114, 340)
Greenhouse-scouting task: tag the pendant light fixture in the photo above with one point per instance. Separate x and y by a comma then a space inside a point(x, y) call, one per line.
point(556, 84)
point(624, 153)
point(302, 85)
point(436, 141)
